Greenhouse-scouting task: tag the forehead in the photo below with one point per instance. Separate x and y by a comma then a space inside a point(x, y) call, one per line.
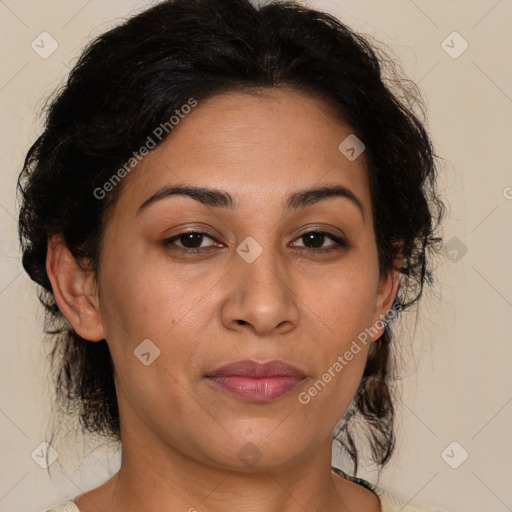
point(256, 145)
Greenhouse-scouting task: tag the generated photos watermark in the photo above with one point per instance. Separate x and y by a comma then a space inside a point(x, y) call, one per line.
point(305, 397)
point(159, 133)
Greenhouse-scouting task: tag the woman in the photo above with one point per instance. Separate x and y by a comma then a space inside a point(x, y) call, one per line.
point(226, 211)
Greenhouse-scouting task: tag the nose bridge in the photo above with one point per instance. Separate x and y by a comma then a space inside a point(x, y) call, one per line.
point(261, 264)
point(264, 296)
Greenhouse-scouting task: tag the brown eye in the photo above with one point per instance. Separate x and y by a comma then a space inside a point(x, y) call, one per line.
point(190, 241)
point(314, 241)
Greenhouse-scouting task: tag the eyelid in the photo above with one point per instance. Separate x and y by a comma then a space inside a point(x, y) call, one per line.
point(169, 241)
point(339, 242)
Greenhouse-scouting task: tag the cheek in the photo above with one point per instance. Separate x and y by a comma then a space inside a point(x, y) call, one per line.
point(345, 300)
point(141, 294)
point(341, 348)
point(146, 299)
point(145, 322)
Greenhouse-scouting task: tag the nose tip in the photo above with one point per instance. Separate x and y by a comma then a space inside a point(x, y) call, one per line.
point(260, 296)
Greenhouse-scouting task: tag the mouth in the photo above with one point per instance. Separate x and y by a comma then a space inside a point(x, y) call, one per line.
point(256, 382)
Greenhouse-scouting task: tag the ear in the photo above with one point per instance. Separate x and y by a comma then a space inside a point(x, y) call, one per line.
point(75, 290)
point(386, 293)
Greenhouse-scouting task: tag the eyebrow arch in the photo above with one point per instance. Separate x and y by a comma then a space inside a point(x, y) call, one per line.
point(220, 199)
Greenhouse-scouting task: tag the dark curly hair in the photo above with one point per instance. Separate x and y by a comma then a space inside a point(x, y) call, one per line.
point(134, 77)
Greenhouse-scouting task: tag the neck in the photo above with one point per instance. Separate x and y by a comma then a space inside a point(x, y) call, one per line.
point(164, 479)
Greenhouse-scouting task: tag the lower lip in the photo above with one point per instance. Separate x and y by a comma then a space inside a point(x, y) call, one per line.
point(256, 389)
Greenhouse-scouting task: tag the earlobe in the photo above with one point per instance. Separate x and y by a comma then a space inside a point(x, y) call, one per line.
point(75, 290)
point(388, 286)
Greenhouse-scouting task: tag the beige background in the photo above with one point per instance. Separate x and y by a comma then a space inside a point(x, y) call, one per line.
point(456, 383)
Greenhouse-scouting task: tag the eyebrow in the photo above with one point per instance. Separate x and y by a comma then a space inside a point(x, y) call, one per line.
point(220, 199)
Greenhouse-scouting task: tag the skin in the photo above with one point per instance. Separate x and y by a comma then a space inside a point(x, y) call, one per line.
point(180, 434)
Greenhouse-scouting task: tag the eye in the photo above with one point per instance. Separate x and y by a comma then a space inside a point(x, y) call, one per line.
point(317, 238)
point(191, 241)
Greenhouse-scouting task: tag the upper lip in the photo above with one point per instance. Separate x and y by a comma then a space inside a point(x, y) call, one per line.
point(250, 368)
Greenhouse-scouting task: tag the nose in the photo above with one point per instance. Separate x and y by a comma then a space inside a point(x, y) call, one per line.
point(261, 296)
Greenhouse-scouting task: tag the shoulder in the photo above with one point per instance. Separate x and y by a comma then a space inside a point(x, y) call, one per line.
point(67, 506)
point(389, 502)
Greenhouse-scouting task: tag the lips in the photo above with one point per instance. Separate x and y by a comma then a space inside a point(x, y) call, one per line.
point(250, 368)
point(256, 382)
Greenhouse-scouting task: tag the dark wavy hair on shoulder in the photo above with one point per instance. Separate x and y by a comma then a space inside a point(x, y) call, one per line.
point(134, 77)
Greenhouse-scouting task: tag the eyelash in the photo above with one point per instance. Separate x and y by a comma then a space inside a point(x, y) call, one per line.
point(340, 243)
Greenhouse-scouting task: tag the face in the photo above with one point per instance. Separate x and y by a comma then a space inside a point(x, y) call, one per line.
point(254, 282)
